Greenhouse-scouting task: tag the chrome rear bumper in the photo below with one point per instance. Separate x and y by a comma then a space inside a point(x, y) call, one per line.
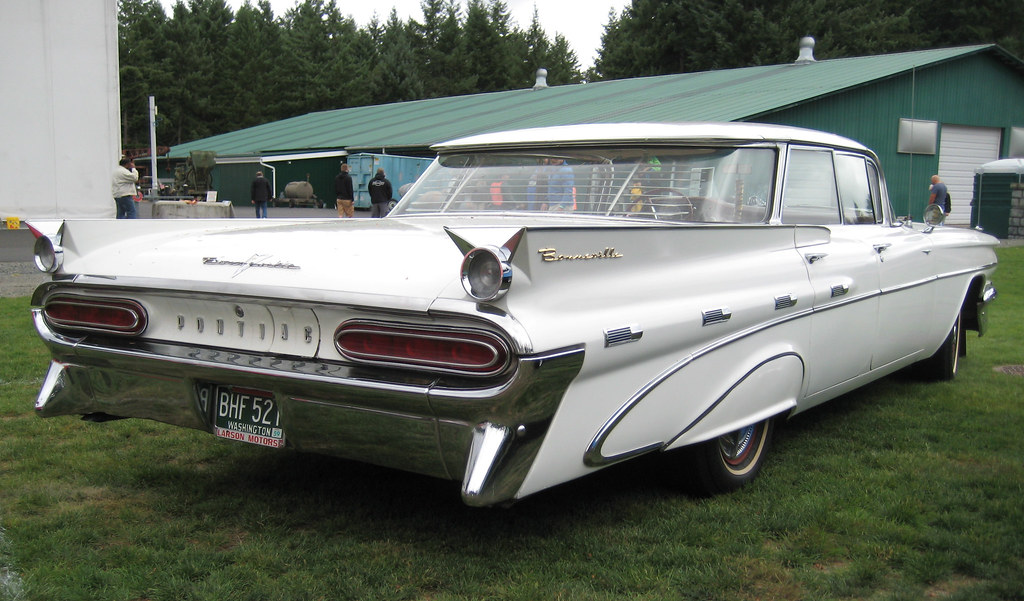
point(487, 436)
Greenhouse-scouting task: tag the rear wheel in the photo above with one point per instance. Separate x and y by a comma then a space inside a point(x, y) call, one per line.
point(730, 461)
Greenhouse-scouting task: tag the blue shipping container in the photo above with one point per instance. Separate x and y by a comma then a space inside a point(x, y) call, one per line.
point(398, 169)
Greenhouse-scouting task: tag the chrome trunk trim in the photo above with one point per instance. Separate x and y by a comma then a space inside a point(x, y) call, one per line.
point(488, 441)
point(404, 420)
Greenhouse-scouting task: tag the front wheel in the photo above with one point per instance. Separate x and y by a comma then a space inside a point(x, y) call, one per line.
point(726, 463)
point(943, 365)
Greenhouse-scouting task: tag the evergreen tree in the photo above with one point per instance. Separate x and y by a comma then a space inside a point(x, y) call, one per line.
point(652, 37)
point(480, 45)
point(438, 46)
point(655, 37)
point(254, 47)
point(395, 76)
point(494, 52)
point(541, 53)
point(141, 71)
point(212, 71)
point(196, 36)
point(961, 22)
point(565, 66)
point(537, 47)
point(318, 47)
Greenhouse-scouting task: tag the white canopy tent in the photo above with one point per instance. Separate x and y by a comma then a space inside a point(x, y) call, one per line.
point(60, 109)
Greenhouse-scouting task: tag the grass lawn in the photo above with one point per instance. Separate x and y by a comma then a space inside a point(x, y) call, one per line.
point(900, 491)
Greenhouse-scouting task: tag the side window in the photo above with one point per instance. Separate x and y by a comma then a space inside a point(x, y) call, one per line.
point(855, 192)
point(809, 195)
point(876, 191)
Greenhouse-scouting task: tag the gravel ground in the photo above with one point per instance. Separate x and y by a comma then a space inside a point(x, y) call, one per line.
point(19, 276)
point(19, 279)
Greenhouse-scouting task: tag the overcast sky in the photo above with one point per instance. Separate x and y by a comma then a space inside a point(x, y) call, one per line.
point(581, 22)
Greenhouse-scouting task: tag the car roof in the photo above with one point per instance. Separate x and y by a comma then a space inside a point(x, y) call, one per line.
point(645, 133)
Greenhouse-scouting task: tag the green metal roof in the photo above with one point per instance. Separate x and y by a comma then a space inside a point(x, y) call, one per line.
point(726, 95)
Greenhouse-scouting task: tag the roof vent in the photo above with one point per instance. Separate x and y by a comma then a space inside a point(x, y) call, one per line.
point(806, 51)
point(542, 79)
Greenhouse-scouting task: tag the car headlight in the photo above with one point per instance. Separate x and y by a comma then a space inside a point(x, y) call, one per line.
point(49, 256)
point(486, 274)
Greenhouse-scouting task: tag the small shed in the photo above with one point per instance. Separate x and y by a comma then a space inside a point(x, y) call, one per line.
point(233, 175)
point(998, 201)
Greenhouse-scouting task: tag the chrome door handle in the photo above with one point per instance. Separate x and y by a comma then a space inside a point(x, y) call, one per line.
point(815, 257)
point(880, 247)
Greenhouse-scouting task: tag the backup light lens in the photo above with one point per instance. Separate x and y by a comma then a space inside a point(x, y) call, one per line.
point(107, 316)
point(452, 351)
point(48, 255)
point(485, 274)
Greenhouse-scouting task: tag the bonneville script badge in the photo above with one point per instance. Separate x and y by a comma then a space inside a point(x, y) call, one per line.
point(551, 254)
point(260, 261)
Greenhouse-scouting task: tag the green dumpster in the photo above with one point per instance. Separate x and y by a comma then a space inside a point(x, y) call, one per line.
point(998, 188)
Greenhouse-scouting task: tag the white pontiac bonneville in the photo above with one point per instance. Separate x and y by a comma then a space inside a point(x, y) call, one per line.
point(541, 304)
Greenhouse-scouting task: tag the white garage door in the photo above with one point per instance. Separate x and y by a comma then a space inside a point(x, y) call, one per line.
point(961, 150)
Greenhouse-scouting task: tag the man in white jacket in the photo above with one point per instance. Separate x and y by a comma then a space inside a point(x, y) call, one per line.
point(123, 188)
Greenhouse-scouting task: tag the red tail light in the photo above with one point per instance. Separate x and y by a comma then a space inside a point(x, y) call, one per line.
point(455, 351)
point(108, 316)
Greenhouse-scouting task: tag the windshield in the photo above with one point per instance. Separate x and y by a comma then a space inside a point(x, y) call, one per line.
point(709, 185)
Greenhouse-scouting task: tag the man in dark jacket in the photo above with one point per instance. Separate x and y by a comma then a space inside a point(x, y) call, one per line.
point(343, 192)
point(261, 194)
point(380, 194)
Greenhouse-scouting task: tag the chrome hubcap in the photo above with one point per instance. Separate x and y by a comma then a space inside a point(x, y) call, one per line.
point(737, 445)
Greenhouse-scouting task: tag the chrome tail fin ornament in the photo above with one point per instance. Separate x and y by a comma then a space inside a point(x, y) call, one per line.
point(486, 271)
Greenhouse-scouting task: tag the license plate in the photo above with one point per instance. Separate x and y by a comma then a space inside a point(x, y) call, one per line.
point(247, 415)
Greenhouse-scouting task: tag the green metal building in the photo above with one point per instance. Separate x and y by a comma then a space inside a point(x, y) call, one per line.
point(233, 175)
point(944, 111)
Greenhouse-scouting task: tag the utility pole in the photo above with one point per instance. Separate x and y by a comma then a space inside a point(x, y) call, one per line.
point(153, 184)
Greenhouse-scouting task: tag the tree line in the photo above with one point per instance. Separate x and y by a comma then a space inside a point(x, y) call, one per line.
point(214, 70)
point(656, 37)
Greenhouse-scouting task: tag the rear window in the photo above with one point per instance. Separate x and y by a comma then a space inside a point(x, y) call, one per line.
point(708, 185)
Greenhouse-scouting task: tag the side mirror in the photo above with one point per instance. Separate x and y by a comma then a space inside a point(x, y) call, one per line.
point(933, 215)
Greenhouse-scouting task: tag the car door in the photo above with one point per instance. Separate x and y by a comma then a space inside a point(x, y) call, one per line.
point(906, 274)
point(843, 272)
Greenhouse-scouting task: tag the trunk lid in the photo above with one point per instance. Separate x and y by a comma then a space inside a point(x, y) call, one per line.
point(323, 258)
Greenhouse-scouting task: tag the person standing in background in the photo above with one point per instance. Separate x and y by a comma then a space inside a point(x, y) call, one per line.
point(937, 193)
point(380, 194)
point(560, 187)
point(261, 194)
point(343, 192)
point(123, 188)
